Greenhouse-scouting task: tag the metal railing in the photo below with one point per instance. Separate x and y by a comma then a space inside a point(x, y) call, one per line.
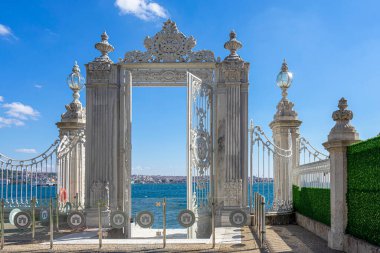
point(265, 157)
point(21, 180)
point(315, 174)
point(40, 176)
point(308, 153)
point(259, 218)
point(314, 167)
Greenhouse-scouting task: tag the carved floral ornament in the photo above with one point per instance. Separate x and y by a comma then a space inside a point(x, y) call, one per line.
point(169, 45)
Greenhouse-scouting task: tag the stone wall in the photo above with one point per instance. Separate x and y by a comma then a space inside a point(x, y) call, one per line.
point(354, 245)
point(313, 226)
point(350, 244)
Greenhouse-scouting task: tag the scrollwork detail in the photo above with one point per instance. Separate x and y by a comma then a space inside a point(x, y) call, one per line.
point(169, 45)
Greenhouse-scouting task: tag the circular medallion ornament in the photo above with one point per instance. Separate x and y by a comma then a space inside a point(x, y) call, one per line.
point(201, 147)
point(186, 218)
point(118, 219)
point(12, 215)
point(201, 154)
point(145, 219)
point(44, 215)
point(238, 218)
point(76, 220)
point(22, 220)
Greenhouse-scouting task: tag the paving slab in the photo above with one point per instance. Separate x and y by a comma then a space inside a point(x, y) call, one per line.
point(228, 240)
point(225, 235)
point(293, 238)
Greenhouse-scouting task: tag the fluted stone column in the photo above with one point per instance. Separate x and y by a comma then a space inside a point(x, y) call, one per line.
point(341, 136)
point(107, 159)
point(285, 128)
point(232, 128)
point(71, 167)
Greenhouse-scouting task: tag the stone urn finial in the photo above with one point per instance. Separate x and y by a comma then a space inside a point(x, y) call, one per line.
point(104, 47)
point(342, 116)
point(233, 45)
point(343, 128)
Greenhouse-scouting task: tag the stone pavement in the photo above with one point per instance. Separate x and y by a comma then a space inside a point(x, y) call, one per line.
point(238, 240)
point(293, 238)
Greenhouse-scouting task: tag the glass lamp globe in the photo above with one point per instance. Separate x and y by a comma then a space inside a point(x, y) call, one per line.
point(284, 78)
point(75, 80)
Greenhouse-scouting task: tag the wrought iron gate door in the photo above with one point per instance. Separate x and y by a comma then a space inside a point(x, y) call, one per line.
point(199, 155)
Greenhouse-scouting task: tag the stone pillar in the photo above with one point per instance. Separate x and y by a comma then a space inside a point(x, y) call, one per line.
point(341, 136)
point(103, 176)
point(285, 128)
point(71, 167)
point(232, 127)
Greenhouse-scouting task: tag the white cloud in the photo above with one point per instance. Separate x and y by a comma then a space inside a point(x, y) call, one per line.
point(143, 9)
point(26, 150)
point(38, 86)
point(5, 30)
point(17, 114)
point(7, 122)
point(20, 111)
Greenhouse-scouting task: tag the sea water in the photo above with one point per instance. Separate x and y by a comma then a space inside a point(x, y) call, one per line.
point(145, 197)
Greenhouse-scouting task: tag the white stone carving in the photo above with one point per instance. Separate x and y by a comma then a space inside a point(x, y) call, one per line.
point(342, 116)
point(104, 47)
point(233, 45)
point(176, 77)
point(201, 156)
point(74, 110)
point(233, 191)
point(99, 66)
point(100, 191)
point(169, 45)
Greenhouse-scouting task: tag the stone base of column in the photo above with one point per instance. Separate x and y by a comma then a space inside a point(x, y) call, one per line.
point(92, 218)
point(335, 240)
point(203, 224)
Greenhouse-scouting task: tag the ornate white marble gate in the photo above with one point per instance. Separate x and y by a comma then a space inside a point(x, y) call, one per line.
point(217, 106)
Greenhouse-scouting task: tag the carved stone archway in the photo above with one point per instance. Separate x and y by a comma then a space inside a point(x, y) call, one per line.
point(217, 150)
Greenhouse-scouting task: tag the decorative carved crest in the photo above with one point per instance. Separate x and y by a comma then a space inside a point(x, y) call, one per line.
point(169, 45)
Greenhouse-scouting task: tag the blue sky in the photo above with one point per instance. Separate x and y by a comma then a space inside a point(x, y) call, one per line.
point(332, 47)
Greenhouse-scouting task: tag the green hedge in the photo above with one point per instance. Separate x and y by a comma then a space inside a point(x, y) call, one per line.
point(363, 190)
point(313, 203)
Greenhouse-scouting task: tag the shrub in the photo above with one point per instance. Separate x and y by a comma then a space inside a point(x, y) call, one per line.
point(313, 203)
point(363, 190)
